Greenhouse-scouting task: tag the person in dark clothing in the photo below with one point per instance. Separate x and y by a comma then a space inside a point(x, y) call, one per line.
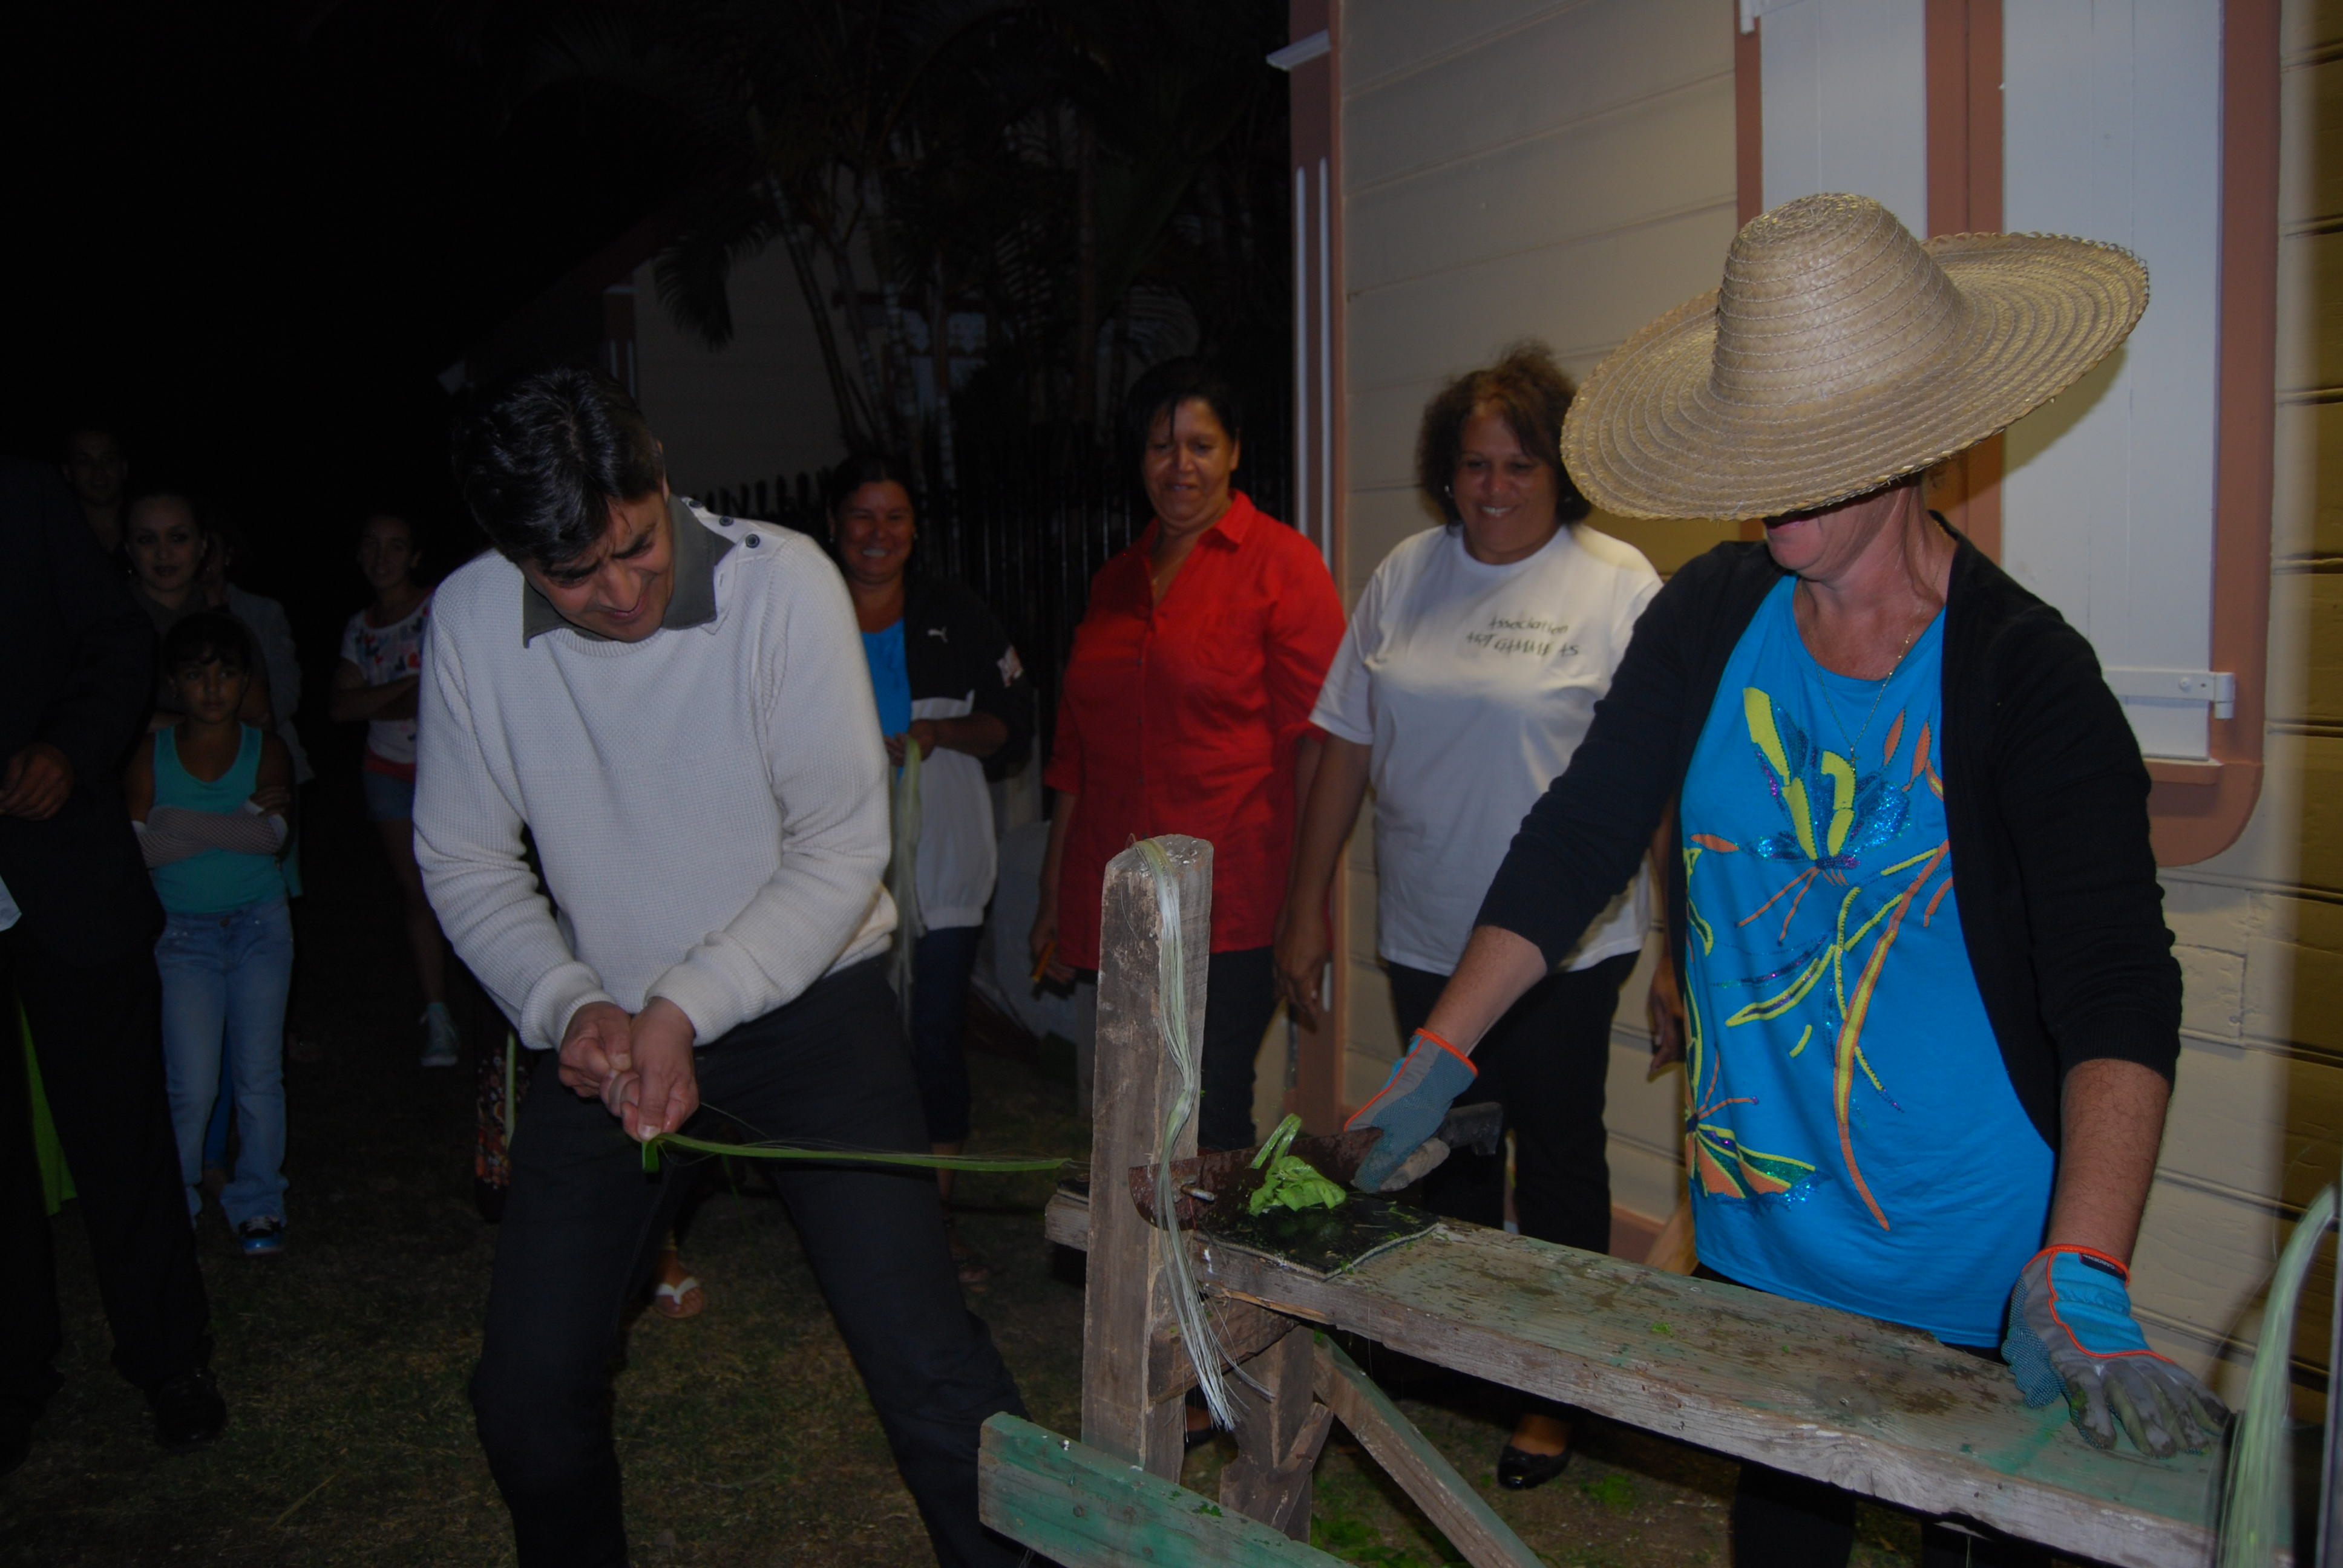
point(946, 680)
point(1931, 1009)
point(77, 950)
point(93, 466)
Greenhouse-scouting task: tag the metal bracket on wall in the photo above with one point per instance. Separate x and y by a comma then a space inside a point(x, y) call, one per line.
point(2217, 687)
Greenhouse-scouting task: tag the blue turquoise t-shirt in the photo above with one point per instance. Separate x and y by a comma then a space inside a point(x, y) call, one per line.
point(891, 678)
point(1853, 1135)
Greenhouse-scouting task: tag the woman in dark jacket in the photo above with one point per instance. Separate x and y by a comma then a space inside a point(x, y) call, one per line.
point(1927, 1099)
point(948, 681)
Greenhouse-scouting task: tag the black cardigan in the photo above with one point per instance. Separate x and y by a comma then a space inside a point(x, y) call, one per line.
point(2045, 807)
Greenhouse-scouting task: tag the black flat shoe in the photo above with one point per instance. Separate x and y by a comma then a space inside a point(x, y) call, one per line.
point(188, 1409)
point(1518, 1469)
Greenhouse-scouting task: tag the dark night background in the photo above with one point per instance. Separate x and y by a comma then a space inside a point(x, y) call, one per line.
point(249, 236)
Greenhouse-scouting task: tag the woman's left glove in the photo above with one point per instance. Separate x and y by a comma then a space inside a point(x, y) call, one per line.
point(2071, 1332)
point(1410, 1107)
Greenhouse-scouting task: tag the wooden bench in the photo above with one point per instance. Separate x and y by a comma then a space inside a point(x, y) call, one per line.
point(1878, 1410)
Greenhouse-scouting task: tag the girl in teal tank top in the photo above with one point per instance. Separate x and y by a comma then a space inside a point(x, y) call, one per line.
point(209, 799)
point(213, 880)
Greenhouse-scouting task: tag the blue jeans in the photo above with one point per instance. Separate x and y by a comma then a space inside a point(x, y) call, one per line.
point(225, 976)
point(215, 1132)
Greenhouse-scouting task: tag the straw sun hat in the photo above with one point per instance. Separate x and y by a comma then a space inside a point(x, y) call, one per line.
point(1840, 355)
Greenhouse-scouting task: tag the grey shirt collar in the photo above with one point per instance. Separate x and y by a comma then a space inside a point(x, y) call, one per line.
point(692, 601)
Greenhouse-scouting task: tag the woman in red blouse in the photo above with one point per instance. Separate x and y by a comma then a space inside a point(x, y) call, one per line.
point(1186, 710)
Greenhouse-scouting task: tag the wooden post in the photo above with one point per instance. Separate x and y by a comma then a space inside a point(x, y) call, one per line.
point(1129, 1304)
point(1278, 1438)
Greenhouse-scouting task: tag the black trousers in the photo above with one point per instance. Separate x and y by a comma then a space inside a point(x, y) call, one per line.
point(583, 1224)
point(97, 1030)
point(1785, 1520)
point(1240, 995)
point(1545, 1061)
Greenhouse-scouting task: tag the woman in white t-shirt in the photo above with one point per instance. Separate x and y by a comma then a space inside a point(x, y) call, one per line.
point(375, 682)
point(1468, 676)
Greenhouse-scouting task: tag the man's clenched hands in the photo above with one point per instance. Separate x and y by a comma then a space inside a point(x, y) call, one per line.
point(640, 1067)
point(595, 1057)
point(670, 1089)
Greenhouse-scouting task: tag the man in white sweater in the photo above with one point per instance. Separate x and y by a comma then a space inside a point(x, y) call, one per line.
point(676, 708)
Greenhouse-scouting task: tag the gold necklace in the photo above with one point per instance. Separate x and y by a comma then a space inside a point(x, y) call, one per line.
point(1855, 740)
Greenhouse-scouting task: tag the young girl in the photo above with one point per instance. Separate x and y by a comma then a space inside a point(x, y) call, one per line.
point(211, 797)
point(382, 662)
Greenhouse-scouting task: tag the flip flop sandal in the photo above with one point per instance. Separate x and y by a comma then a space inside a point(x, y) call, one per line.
point(683, 1298)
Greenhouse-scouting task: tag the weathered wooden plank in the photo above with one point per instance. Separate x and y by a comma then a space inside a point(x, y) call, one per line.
point(1245, 1331)
point(1421, 1471)
point(1278, 1436)
point(1128, 1303)
point(1876, 1408)
point(1085, 1509)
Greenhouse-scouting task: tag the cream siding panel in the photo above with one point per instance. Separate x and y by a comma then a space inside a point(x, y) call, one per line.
point(2258, 1121)
point(2257, 1112)
point(1582, 297)
point(1844, 102)
point(1628, 166)
point(1500, 69)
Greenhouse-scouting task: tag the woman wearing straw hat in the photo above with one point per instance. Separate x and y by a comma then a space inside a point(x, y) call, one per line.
point(1928, 1099)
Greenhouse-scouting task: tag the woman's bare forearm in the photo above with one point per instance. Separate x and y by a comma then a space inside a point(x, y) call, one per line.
point(2111, 1114)
point(978, 735)
point(1497, 967)
point(1329, 811)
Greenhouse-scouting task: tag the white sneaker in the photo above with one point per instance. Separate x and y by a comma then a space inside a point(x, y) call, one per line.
point(443, 1047)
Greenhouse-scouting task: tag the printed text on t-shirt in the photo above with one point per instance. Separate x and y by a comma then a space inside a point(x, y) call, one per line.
point(1532, 635)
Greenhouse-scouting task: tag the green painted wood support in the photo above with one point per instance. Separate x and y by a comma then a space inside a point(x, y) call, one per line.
point(1085, 1509)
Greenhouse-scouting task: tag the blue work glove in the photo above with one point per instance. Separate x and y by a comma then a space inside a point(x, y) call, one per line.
point(1410, 1107)
point(2071, 1332)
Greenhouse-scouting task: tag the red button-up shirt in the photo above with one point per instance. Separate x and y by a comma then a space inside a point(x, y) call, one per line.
point(1181, 717)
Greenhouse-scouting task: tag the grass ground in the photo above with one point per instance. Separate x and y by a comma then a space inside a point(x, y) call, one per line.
point(744, 1433)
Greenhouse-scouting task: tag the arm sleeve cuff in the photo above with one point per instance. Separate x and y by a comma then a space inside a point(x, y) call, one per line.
point(706, 996)
point(554, 999)
point(2152, 1042)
